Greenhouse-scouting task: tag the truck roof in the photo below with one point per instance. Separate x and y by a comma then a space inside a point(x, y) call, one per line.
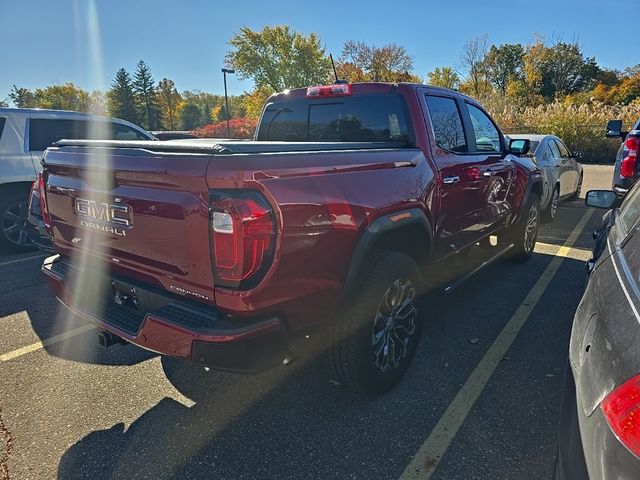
point(373, 87)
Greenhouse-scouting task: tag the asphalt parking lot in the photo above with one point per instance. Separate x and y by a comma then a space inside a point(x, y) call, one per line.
point(480, 401)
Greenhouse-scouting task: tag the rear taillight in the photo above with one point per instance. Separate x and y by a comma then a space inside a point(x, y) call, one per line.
point(43, 202)
point(243, 235)
point(338, 90)
point(621, 409)
point(630, 162)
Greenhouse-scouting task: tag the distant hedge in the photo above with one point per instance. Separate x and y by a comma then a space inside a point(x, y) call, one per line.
point(582, 127)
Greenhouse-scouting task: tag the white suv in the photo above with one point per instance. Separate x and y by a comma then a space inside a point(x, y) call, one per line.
point(24, 135)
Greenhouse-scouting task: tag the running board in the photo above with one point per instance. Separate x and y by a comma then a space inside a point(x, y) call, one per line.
point(466, 277)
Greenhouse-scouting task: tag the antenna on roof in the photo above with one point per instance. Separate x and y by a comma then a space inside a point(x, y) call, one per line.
point(335, 72)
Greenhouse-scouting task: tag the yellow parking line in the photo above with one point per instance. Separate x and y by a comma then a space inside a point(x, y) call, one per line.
point(428, 456)
point(574, 253)
point(22, 259)
point(45, 343)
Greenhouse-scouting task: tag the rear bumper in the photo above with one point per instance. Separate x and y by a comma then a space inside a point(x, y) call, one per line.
point(164, 323)
point(38, 233)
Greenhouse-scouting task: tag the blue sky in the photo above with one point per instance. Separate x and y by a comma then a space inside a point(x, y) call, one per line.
point(46, 41)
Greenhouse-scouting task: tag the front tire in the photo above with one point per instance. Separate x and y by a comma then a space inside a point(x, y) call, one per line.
point(576, 194)
point(374, 338)
point(13, 219)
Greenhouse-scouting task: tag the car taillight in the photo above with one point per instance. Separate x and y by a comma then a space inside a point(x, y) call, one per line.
point(243, 235)
point(43, 202)
point(630, 162)
point(337, 90)
point(621, 409)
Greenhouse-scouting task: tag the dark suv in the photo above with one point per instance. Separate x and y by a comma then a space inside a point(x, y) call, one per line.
point(625, 170)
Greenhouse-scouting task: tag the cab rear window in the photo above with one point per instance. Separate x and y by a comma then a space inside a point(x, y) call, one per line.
point(3, 120)
point(366, 118)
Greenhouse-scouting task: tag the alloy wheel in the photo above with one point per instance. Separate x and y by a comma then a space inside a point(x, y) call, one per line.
point(531, 229)
point(13, 224)
point(394, 325)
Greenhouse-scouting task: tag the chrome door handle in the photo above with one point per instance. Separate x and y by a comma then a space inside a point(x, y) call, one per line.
point(450, 180)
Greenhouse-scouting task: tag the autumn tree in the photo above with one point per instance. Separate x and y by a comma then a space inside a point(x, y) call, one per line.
point(57, 97)
point(22, 97)
point(121, 100)
point(254, 101)
point(278, 57)
point(445, 77)
point(559, 69)
point(98, 103)
point(503, 64)
point(389, 63)
point(170, 103)
point(146, 97)
point(474, 67)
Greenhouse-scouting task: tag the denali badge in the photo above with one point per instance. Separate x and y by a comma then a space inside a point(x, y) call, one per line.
point(113, 218)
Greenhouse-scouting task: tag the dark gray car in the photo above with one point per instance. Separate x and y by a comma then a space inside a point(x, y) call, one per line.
point(622, 183)
point(600, 415)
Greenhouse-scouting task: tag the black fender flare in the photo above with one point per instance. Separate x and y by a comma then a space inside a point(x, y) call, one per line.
point(375, 230)
point(534, 179)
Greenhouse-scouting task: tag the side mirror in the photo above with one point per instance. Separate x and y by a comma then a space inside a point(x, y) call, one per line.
point(602, 199)
point(614, 129)
point(519, 147)
point(577, 154)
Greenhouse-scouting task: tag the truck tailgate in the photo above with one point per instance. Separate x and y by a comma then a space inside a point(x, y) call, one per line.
point(139, 213)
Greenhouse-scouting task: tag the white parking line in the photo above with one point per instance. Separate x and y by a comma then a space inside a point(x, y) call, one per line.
point(23, 259)
point(45, 343)
point(426, 460)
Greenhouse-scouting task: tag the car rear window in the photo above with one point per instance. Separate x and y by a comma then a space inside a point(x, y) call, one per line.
point(44, 132)
point(3, 120)
point(365, 118)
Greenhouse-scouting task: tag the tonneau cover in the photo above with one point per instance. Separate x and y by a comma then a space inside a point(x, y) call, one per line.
point(226, 147)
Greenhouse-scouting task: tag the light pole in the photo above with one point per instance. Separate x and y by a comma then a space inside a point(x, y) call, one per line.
point(226, 98)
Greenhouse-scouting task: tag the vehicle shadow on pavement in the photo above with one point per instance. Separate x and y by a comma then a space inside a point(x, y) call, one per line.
point(291, 423)
point(51, 318)
point(246, 415)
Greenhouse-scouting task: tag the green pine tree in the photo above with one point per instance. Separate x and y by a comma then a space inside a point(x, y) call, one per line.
point(121, 101)
point(146, 97)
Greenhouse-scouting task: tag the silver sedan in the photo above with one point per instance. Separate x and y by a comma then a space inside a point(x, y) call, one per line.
point(561, 170)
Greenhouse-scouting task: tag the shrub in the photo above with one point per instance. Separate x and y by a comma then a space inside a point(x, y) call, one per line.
point(239, 128)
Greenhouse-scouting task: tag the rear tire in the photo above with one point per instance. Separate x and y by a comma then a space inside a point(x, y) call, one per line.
point(524, 233)
point(549, 213)
point(374, 338)
point(576, 194)
point(13, 219)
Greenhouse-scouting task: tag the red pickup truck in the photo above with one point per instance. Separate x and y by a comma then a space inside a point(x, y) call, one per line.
point(351, 201)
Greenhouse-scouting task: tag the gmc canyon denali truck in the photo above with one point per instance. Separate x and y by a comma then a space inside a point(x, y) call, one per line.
point(330, 224)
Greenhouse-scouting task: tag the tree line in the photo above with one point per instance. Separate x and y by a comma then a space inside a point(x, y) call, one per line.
point(277, 57)
point(136, 98)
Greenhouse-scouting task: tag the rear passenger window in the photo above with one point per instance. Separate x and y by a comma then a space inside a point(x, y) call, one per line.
point(629, 211)
point(44, 132)
point(3, 120)
point(447, 124)
point(487, 135)
point(553, 149)
point(564, 151)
